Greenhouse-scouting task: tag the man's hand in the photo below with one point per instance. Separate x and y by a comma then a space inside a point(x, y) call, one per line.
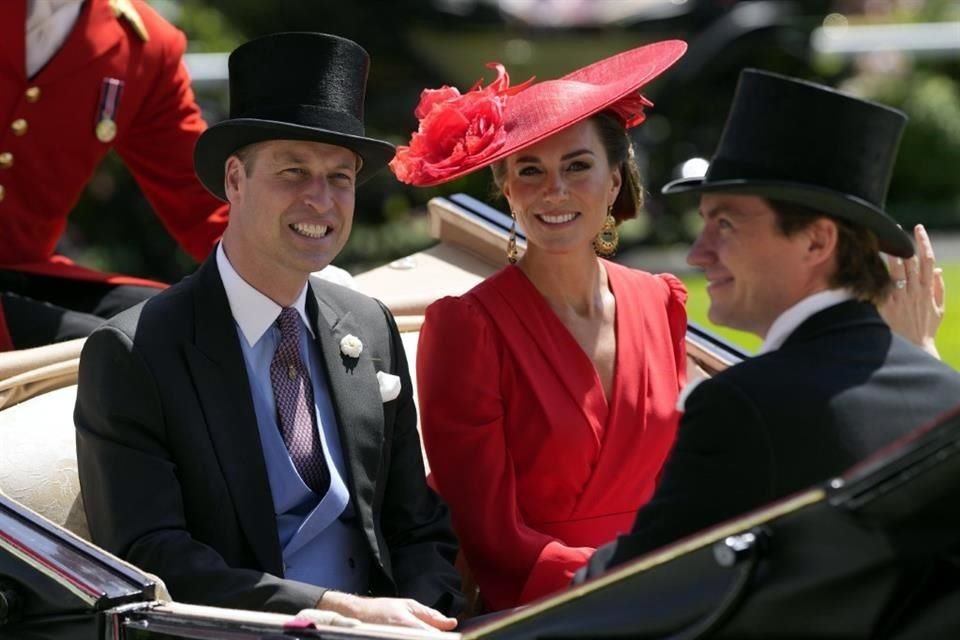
point(401, 612)
point(915, 307)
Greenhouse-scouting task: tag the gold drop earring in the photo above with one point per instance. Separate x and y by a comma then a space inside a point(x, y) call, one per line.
point(605, 244)
point(512, 251)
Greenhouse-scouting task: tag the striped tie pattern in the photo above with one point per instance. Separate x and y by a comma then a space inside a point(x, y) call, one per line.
point(296, 413)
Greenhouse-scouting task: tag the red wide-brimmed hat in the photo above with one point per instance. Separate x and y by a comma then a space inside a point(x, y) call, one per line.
point(460, 133)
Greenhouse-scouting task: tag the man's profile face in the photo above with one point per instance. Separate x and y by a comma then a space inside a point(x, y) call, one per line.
point(292, 205)
point(754, 272)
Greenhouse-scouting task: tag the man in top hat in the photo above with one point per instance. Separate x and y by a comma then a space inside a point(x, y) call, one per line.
point(792, 207)
point(77, 80)
point(249, 435)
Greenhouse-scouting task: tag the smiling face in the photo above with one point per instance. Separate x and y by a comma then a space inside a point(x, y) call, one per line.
point(754, 271)
point(291, 210)
point(560, 189)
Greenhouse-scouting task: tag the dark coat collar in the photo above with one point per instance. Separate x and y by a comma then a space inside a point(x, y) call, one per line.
point(843, 315)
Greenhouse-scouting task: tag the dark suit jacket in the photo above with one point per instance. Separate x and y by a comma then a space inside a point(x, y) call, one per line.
point(172, 470)
point(840, 388)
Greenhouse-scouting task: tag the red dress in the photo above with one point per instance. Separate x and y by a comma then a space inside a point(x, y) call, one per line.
point(537, 468)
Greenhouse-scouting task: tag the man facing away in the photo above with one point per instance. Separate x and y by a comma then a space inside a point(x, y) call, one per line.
point(792, 207)
point(249, 435)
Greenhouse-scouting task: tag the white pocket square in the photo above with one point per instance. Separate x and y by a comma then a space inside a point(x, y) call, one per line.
point(389, 386)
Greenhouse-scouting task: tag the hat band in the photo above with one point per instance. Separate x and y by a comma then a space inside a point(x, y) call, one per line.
point(725, 168)
point(729, 169)
point(305, 115)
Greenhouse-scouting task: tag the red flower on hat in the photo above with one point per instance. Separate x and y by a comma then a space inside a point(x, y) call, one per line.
point(455, 130)
point(630, 109)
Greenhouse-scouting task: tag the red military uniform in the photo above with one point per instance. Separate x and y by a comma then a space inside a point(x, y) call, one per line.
point(52, 134)
point(49, 143)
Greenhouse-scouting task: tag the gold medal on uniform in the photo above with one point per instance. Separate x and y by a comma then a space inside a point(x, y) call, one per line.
point(106, 130)
point(106, 125)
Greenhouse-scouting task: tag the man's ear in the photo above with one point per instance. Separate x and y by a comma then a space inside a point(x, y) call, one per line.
point(233, 173)
point(822, 237)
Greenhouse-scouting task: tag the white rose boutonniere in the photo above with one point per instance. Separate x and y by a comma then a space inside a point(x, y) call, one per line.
point(351, 346)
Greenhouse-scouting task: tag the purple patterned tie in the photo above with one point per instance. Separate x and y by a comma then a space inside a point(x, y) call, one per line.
point(295, 409)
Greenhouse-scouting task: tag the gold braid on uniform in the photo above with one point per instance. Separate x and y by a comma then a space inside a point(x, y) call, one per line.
point(125, 9)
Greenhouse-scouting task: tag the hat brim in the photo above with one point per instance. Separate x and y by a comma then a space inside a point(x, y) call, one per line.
point(614, 78)
point(893, 240)
point(217, 143)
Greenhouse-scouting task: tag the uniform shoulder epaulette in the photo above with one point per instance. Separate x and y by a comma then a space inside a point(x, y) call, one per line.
point(125, 9)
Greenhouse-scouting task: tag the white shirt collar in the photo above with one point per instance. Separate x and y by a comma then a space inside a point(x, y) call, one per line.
point(253, 311)
point(788, 321)
point(49, 23)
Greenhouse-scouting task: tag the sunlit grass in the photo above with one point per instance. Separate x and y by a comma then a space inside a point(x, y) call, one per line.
point(948, 338)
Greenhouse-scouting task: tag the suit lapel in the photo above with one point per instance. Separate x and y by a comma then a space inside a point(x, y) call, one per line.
point(219, 373)
point(356, 399)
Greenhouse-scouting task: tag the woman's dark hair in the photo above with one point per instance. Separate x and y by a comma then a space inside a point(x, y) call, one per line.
point(859, 265)
point(619, 150)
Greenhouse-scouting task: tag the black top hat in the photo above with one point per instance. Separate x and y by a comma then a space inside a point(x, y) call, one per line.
point(292, 86)
point(800, 142)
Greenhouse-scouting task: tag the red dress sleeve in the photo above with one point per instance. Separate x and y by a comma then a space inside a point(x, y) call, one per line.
point(459, 364)
point(677, 317)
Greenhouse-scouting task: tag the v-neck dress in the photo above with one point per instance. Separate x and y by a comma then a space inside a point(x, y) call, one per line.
point(537, 467)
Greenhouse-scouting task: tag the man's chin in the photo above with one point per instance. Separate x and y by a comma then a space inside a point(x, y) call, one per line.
point(730, 321)
point(311, 261)
point(721, 317)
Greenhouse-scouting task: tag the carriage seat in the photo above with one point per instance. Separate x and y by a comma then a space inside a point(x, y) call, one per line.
point(38, 458)
point(30, 372)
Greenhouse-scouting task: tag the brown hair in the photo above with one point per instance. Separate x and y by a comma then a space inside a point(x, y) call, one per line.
point(620, 153)
point(247, 154)
point(859, 265)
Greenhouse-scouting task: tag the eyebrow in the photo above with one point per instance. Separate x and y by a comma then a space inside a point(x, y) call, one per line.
point(288, 156)
point(718, 209)
point(282, 157)
point(565, 156)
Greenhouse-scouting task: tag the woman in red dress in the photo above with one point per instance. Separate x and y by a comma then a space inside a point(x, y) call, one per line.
point(548, 392)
